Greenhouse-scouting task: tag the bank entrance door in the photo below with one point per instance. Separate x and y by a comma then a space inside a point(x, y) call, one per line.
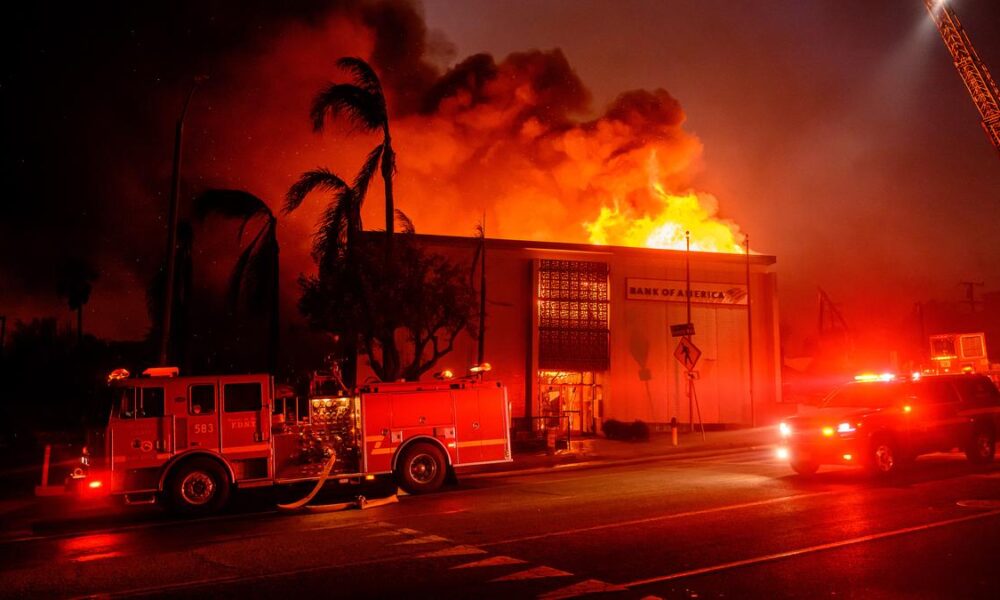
point(570, 399)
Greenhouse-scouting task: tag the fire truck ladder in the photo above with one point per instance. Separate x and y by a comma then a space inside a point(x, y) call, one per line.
point(971, 69)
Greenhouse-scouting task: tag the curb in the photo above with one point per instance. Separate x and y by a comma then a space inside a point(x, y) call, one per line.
point(598, 462)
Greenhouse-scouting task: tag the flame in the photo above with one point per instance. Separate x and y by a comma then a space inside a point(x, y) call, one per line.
point(692, 211)
point(677, 214)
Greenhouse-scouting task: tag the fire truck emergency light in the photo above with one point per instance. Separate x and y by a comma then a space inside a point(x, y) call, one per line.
point(481, 368)
point(161, 372)
point(118, 374)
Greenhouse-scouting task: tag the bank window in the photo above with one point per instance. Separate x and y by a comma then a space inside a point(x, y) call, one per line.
point(202, 398)
point(573, 315)
point(152, 402)
point(239, 397)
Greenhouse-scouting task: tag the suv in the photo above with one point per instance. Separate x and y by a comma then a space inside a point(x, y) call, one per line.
point(884, 423)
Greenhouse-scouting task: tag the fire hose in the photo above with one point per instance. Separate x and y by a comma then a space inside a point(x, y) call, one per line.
point(359, 502)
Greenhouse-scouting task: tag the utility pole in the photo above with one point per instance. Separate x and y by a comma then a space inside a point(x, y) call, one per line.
point(175, 184)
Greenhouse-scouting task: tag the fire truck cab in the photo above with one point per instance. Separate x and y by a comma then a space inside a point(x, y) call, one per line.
point(187, 441)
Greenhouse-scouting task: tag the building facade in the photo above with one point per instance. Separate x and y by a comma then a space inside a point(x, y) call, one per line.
point(584, 332)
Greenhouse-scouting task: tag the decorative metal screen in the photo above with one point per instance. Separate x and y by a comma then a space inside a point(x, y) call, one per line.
point(573, 323)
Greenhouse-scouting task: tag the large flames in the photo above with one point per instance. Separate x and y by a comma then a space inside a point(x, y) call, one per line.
point(667, 228)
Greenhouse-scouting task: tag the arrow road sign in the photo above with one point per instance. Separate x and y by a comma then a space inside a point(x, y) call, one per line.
point(687, 353)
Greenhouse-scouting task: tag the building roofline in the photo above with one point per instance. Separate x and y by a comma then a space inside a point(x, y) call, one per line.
point(592, 249)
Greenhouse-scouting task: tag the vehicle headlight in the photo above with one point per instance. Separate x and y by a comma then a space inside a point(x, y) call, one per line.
point(845, 427)
point(785, 429)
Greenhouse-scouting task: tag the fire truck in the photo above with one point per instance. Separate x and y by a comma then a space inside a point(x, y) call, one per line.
point(960, 353)
point(188, 441)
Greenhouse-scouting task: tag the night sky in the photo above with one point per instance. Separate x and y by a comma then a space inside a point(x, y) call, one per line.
point(837, 134)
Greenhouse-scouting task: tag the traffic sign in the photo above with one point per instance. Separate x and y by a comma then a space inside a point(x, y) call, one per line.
point(687, 353)
point(682, 330)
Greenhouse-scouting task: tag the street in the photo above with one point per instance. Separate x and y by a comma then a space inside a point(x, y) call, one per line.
point(736, 524)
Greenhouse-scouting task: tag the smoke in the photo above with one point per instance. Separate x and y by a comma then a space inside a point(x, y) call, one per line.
point(513, 138)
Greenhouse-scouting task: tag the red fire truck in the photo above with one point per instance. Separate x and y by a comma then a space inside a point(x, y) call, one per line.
point(187, 441)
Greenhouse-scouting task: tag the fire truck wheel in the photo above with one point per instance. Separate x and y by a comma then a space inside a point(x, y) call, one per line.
point(198, 487)
point(421, 469)
point(981, 447)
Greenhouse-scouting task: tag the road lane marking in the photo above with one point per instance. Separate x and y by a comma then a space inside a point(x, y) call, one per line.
point(427, 539)
point(493, 561)
point(809, 550)
point(542, 572)
point(590, 586)
point(454, 551)
point(681, 515)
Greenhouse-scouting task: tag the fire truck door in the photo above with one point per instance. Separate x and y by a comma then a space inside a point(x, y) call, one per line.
point(140, 429)
point(201, 427)
point(243, 417)
point(469, 427)
point(493, 423)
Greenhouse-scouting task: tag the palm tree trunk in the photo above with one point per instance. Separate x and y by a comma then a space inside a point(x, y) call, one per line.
point(388, 166)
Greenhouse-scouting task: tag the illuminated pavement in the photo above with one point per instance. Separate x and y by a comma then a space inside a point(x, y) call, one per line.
point(734, 525)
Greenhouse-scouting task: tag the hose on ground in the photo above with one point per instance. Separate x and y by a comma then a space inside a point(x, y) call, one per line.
point(359, 502)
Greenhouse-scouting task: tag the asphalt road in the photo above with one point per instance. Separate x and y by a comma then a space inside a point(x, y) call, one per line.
point(733, 526)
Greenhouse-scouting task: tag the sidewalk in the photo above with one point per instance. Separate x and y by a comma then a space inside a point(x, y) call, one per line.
point(597, 450)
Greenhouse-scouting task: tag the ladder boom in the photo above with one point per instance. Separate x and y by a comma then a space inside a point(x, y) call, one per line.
point(971, 69)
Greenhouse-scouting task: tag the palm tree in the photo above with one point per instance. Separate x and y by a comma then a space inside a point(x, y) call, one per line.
point(255, 274)
point(74, 285)
point(364, 105)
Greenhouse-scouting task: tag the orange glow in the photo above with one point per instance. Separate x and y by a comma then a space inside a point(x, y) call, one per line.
point(95, 484)
point(782, 453)
point(828, 431)
point(665, 228)
point(848, 457)
point(907, 408)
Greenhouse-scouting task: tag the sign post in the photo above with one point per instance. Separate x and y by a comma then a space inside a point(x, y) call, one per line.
point(688, 354)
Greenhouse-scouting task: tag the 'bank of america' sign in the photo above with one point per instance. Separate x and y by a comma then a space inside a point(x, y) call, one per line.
point(675, 291)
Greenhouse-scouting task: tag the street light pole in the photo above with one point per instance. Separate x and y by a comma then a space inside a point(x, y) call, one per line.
point(175, 184)
point(687, 294)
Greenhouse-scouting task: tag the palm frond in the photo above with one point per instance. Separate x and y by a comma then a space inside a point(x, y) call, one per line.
point(405, 221)
point(236, 277)
point(337, 220)
point(237, 204)
point(364, 177)
point(364, 75)
point(365, 110)
point(321, 179)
